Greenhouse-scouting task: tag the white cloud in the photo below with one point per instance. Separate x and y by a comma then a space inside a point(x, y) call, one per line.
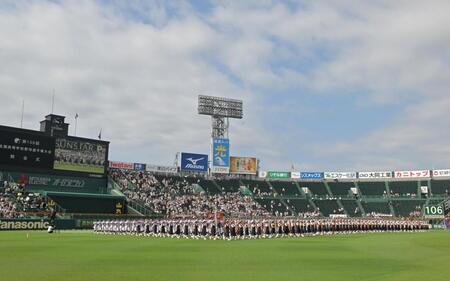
point(135, 70)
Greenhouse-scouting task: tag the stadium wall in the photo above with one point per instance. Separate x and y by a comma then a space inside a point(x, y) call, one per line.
point(58, 183)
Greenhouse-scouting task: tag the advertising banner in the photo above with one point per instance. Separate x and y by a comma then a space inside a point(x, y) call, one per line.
point(278, 175)
point(295, 175)
point(262, 174)
point(441, 173)
point(340, 175)
point(311, 175)
point(23, 224)
point(374, 175)
point(121, 165)
point(412, 174)
point(74, 154)
point(45, 182)
point(139, 167)
point(221, 156)
point(243, 165)
point(22, 149)
point(161, 169)
point(194, 162)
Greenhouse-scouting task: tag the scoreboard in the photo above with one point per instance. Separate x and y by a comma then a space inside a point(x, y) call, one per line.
point(435, 211)
point(38, 152)
point(23, 149)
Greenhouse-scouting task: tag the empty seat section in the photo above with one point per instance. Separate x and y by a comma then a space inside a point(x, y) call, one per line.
point(328, 207)
point(351, 207)
point(372, 188)
point(209, 186)
point(285, 188)
point(341, 188)
point(260, 188)
point(274, 206)
point(440, 187)
point(316, 188)
point(376, 207)
point(403, 188)
point(407, 208)
point(300, 205)
point(228, 185)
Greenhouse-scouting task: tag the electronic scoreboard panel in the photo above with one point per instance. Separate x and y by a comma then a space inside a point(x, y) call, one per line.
point(23, 149)
point(37, 152)
point(80, 155)
point(435, 211)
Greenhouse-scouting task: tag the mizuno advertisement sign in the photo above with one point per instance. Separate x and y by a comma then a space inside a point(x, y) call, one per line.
point(194, 162)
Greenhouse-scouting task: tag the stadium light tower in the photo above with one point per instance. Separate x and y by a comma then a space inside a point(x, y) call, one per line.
point(220, 110)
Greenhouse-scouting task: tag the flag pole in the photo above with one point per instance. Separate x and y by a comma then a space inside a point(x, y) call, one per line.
point(76, 123)
point(21, 115)
point(53, 100)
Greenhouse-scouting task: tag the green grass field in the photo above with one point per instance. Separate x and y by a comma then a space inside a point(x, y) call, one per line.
point(86, 256)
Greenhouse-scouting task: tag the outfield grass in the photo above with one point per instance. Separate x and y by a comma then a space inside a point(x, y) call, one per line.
point(86, 256)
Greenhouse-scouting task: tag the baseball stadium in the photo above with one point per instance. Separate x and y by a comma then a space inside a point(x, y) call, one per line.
point(237, 140)
point(68, 212)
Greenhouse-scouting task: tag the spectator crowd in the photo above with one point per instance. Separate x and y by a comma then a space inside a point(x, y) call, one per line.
point(178, 197)
point(16, 201)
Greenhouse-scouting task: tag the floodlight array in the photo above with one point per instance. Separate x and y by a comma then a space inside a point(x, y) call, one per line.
point(220, 107)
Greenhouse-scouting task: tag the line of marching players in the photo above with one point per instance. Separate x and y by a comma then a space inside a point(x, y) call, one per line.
point(264, 228)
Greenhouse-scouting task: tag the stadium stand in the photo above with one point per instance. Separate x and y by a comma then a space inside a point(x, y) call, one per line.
point(407, 208)
point(302, 207)
point(373, 208)
point(209, 186)
point(372, 188)
point(341, 188)
point(316, 188)
point(229, 186)
point(327, 207)
point(351, 207)
point(285, 188)
point(16, 201)
point(175, 196)
point(274, 206)
point(440, 187)
point(403, 188)
point(259, 188)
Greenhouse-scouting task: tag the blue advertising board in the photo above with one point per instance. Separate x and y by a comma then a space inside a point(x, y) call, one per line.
point(139, 167)
point(221, 156)
point(194, 162)
point(311, 175)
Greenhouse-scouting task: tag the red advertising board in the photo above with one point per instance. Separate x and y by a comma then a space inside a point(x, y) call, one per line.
point(121, 165)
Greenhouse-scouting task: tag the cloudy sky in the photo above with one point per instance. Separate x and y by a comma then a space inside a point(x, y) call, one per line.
point(326, 85)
